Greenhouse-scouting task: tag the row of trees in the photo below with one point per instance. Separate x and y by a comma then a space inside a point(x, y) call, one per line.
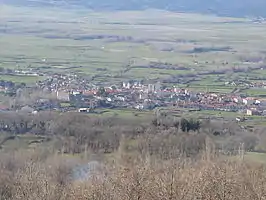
point(189, 125)
point(76, 132)
point(185, 125)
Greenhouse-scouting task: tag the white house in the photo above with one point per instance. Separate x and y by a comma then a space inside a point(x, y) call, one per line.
point(257, 102)
point(235, 100)
point(139, 107)
point(249, 112)
point(84, 110)
point(248, 101)
point(62, 95)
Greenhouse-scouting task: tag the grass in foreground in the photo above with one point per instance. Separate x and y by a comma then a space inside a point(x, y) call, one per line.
point(29, 176)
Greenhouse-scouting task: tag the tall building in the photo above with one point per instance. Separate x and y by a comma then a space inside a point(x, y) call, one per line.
point(151, 88)
point(128, 85)
point(158, 86)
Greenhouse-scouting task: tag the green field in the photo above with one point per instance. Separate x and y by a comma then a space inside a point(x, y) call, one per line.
point(129, 114)
point(114, 41)
point(21, 78)
point(259, 158)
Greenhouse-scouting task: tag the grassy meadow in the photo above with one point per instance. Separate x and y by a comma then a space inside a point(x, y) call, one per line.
point(85, 41)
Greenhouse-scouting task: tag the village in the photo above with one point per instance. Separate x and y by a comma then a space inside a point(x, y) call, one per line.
point(69, 92)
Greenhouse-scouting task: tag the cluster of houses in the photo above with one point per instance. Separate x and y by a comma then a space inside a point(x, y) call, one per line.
point(64, 82)
point(148, 96)
point(72, 92)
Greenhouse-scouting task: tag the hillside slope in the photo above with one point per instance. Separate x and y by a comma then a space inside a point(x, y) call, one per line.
point(238, 8)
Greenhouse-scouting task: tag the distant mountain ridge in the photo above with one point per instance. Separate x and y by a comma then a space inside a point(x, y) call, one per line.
point(234, 8)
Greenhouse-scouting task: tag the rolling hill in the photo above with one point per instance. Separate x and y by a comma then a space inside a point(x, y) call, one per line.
point(235, 8)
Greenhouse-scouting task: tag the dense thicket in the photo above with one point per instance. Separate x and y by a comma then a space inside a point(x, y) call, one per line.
point(24, 176)
point(76, 132)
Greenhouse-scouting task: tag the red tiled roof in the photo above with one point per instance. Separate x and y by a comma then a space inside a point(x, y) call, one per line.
point(2, 107)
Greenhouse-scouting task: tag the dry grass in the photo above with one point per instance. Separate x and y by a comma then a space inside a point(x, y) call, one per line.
point(26, 176)
point(175, 180)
